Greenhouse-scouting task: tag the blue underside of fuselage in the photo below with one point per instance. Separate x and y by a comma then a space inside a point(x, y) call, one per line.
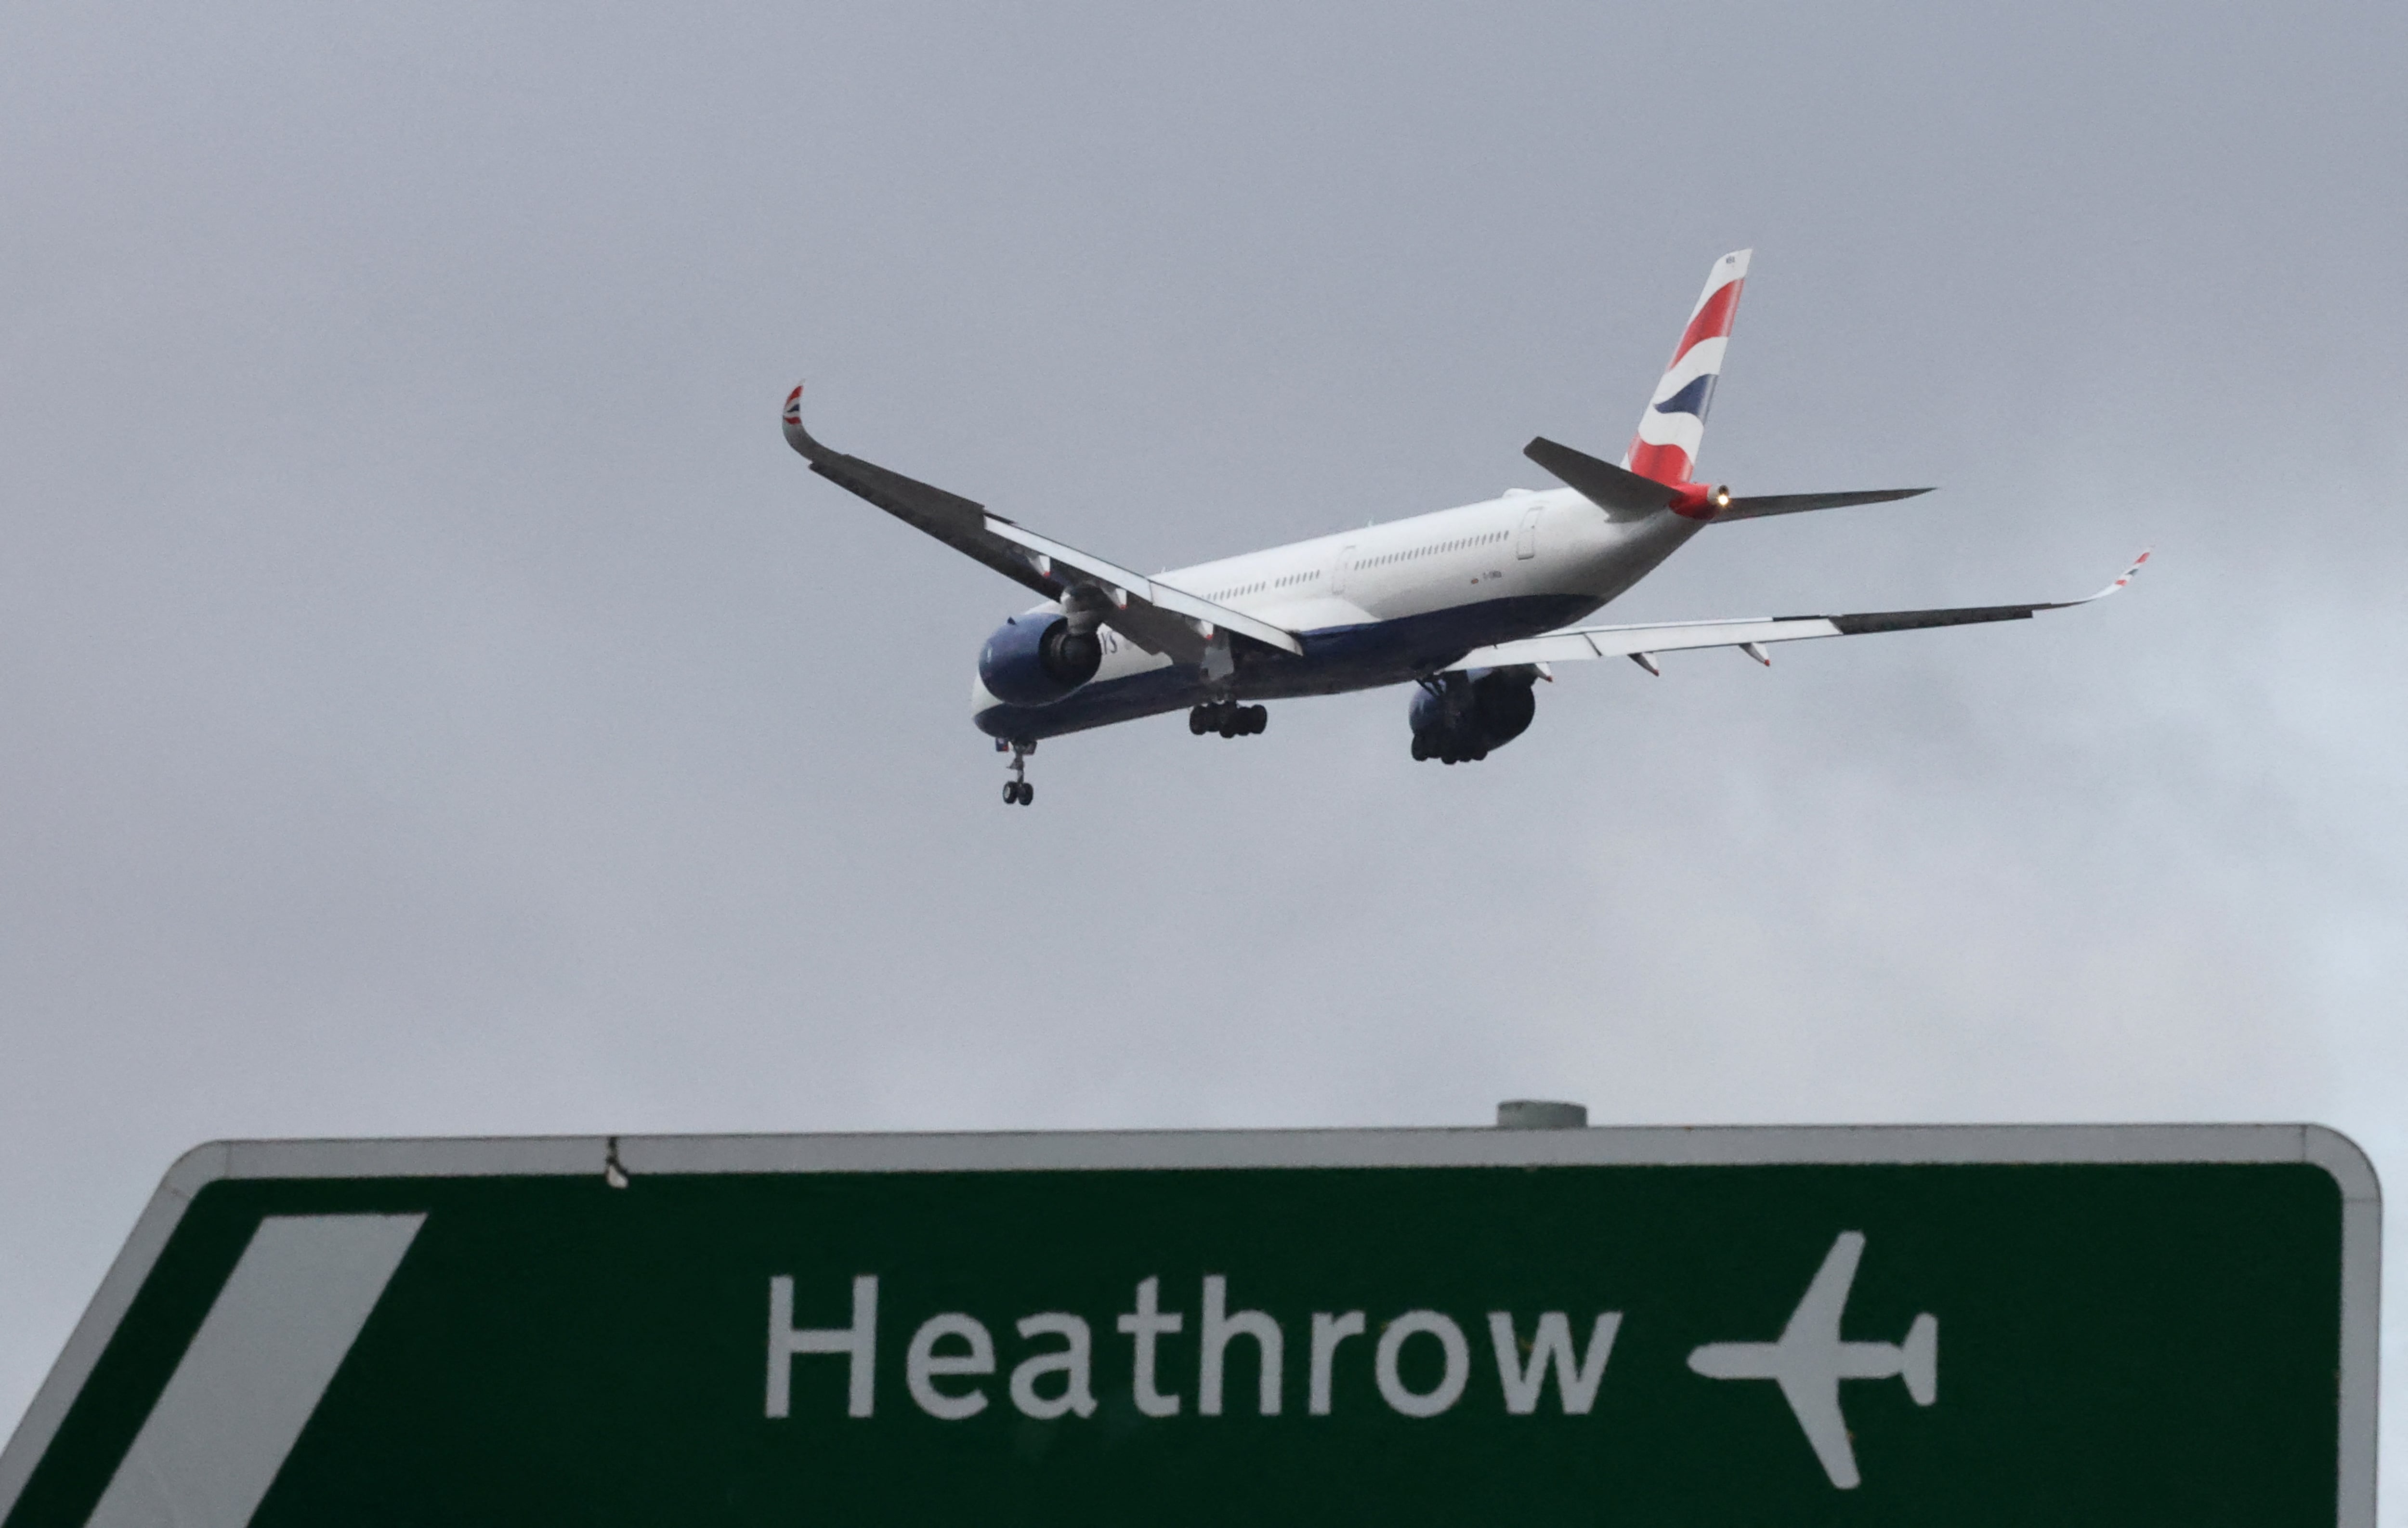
point(1336, 658)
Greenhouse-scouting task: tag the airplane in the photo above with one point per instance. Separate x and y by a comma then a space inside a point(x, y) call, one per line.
point(1809, 1361)
point(1471, 605)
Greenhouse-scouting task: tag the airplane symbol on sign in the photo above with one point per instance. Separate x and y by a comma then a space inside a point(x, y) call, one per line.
point(1809, 1361)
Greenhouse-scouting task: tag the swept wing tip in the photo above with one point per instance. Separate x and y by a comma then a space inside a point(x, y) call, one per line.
point(790, 417)
point(2126, 576)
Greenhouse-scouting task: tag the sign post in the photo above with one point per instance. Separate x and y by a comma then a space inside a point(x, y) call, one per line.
point(1877, 1325)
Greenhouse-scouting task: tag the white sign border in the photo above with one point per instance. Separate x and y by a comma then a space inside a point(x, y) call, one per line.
point(1658, 1145)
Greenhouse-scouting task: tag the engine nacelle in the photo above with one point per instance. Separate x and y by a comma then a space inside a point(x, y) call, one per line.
point(1037, 659)
point(1466, 719)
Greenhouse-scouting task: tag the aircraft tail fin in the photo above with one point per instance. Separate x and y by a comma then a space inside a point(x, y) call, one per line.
point(1666, 446)
point(1921, 1352)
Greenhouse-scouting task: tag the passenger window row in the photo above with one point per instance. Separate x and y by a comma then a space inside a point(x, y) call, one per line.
point(1437, 547)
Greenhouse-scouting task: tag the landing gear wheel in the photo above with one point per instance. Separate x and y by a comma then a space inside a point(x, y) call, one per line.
point(1227, 718)
point(1017, 792)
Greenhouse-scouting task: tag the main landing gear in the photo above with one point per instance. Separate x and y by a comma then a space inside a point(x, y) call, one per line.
point(1228, 718)
point(1446, 751)
point(1017, 792)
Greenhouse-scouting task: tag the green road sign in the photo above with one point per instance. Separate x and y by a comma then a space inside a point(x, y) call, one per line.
point(1968, 1326)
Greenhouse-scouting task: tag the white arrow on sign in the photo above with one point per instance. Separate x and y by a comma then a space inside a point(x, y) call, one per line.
point(255, 1371)
point(1810, 1360)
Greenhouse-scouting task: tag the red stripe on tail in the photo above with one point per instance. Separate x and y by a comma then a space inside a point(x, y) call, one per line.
point(1666, 465)
point(1713, 320)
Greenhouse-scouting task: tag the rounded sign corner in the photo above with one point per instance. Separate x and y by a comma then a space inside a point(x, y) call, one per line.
point(198, 1168)
point(2343, 1158)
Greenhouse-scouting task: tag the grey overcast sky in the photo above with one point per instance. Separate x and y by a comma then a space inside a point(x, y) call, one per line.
point(434, 700)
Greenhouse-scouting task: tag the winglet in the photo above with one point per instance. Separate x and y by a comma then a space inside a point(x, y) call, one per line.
point(2122, 578)
point(796, 435)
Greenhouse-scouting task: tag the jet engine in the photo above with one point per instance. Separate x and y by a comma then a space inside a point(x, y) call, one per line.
point(1460, 716)
point(1037, 659)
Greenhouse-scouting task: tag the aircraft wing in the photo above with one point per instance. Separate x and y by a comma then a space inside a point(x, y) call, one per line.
point(1154, 615)
point(1815, 1399)
point(1578, 642)
point(1817, 1320)
point(1811, 1380)
point(1125, 589)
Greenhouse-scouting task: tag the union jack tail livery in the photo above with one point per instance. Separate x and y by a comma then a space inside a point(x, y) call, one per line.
point(1666, 446)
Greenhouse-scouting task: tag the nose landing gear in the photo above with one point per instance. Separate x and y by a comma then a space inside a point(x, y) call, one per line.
point(1017, 792)
point(1228, 718)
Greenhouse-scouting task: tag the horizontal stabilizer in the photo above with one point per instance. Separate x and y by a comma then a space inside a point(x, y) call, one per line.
point(1919, 1359)
point(1760, 504)
point(1621, 493)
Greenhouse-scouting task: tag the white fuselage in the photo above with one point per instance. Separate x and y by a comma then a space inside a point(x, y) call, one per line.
point(1385, 605)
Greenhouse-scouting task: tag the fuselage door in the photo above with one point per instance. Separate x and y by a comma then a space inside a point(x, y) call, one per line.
point(1525, 545)
point(1339, 569)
